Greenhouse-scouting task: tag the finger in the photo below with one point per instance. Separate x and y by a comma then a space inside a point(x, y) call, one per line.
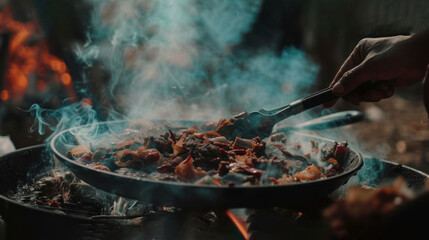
point(426, 90)
point(353, 78)
point(352, 61)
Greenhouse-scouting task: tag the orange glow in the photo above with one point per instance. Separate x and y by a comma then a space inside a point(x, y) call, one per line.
point(4, 95)
point(22, 82)
point(66, 79)
point(30, 62)
point(239, 223)
point(41, 85)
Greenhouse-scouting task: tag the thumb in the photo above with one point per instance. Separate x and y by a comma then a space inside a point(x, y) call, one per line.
point(353, 78)
point(426, 90)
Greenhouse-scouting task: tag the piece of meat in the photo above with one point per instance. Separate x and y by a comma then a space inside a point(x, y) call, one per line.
point(223, 168)
point(186, 171)
point(310, 173)
point(242, 143)
point(100, 167)
point(169, 166)
point(80, 150)
point(286, 179)
point(178, 147)
point(138, 158)
point(258, 147)
point(243, 168)
point(161, 143)
point(191, 142)
point(125, 144)
point(208, 155)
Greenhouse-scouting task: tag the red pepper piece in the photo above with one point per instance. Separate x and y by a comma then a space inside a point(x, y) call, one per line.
point(340, 152)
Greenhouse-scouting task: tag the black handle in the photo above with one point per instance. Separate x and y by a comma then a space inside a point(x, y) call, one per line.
point(318, 98)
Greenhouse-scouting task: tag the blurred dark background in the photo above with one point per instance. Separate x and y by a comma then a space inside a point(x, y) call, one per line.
point(327, 30)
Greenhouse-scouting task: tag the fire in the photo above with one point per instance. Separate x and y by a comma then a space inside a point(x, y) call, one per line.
point(26, 62)
point(239, 223)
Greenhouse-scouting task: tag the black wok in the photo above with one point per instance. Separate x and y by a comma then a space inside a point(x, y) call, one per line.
point(191, 195)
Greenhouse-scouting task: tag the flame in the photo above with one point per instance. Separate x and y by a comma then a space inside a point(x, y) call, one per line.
point(4, 95)
point(29, 62)
point(239, 223)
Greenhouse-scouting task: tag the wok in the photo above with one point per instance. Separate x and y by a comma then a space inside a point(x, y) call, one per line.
point(187, 194)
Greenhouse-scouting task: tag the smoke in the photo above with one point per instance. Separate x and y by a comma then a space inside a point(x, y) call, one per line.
point(180, 60)
point(54, 121)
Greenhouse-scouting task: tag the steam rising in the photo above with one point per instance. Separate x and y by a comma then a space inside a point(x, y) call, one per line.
point(64, 118)
point(178, 59)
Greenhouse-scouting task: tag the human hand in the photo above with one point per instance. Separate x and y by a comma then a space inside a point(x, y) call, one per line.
point(379, 65)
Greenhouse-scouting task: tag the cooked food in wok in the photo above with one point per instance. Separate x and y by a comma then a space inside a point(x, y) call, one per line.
point(202, 155)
